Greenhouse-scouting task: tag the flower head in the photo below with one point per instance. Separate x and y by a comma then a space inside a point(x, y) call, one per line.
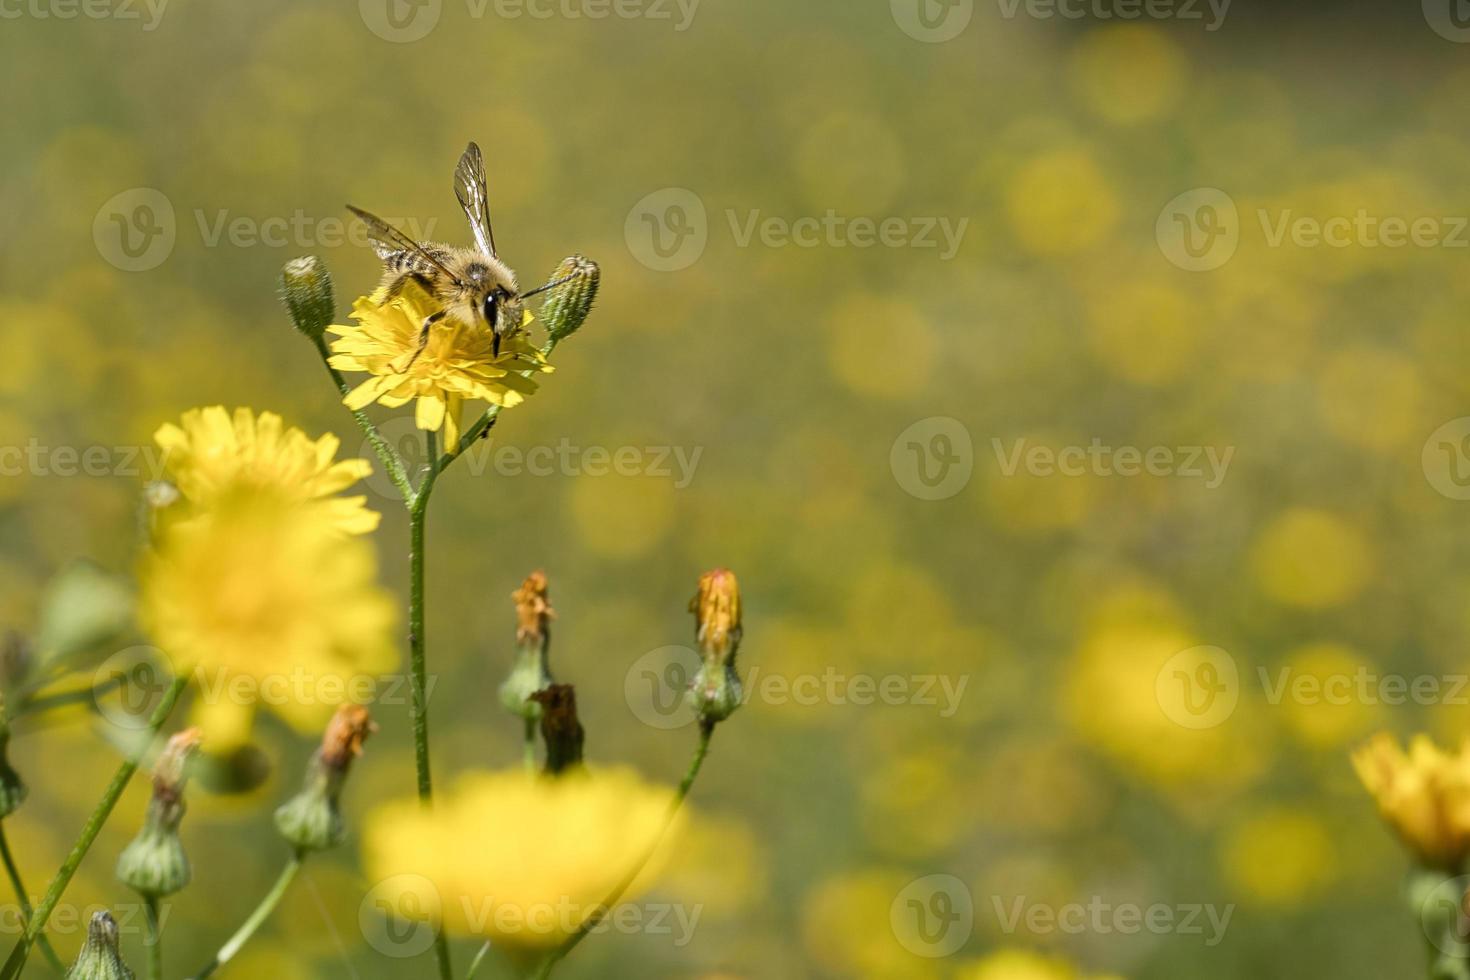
point(269, 591)
point(458, 362)
point(716, 690)
point(212, 454)
point(154, 863)
point(530, 671)
point(519, 860)
point(1424, 795)
point(312, 819)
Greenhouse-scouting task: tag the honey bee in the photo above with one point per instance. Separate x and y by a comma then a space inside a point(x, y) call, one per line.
point(471, 285)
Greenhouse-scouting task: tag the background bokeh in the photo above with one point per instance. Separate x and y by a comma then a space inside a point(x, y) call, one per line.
point(808, 380)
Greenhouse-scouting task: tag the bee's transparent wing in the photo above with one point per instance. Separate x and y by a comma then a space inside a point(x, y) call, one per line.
point(469, 187)
point(393, 240)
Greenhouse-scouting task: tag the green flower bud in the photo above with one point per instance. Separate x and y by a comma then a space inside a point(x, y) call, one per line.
point(312, 819)
point(716, 690)
point(306, 286)
point(569, 304)
point(155, 864)
point(530, 671)
point(100, 958)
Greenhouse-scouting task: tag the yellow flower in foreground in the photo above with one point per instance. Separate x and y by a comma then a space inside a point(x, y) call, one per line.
point(212, 454)
point(518, 859)
point(271, 604)
point(458, 363)
point(1424, 795)
point(1015, 964)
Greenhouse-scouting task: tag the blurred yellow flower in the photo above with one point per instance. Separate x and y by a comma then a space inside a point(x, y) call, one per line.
point(1311, 558)
point(1017, 964)
point(1128, 73)
point(271, 602)
point(1424, 795)
point(1279, 857)
point(518, 859)
point(458, 363)
point(212, 454)
point(1061, 202)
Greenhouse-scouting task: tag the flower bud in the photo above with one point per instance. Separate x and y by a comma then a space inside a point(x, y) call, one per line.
point(716, 690)
point(155, 864)
point(568, 305)
point(306, 286)
point(312, 819)
point(530, 670)
point(560, 728)
point(100, 958)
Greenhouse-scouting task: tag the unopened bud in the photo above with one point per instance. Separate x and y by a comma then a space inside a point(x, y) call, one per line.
point(155, 864)
point(530, 671)
point(568, 305)
point(312, 819)
point(306, 286)
point(716, 690)
point(100, 958)
point(560, 728)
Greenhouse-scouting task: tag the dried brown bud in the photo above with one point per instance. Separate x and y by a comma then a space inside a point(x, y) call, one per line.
point(560, 727)
point(169, 771)
point(346, 732)
point(533, 609)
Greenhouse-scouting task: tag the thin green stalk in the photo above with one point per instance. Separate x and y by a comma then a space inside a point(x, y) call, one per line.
point(153, 938)
point(23, 896)
point(392, 462)
point(479, 958)
point(257, 918)
point(89, 834)
point(701, 751)
point(61, 699)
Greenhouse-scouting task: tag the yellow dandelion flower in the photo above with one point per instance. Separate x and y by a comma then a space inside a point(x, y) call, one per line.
point(458, 363)
point(520, 860)
point(270, 604)
point(213, 453)
point(1423, 794)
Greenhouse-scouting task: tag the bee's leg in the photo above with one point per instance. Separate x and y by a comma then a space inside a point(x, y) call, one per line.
point(429, 321)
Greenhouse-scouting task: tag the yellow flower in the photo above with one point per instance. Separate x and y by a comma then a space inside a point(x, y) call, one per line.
point(1015, 964)
point(212, 454)
point(271, 604)
point(458, 363)
point(514, 858)
point(1424, 795)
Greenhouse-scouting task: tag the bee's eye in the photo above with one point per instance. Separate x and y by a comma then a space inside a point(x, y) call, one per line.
point(491, 302)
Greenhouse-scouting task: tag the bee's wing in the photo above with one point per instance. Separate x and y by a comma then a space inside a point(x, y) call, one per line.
point(394, 240)
point(469, 187)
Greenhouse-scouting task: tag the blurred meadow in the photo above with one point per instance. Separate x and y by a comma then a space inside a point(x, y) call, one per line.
point(857, 421)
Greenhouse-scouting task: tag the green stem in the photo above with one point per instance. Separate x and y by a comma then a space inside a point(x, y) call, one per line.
point(257, 918)
point(483, 423)
point(392, 462)
point(154, 938)
point(701, 751)
point(89, 834)
point(23, 896)
point(38, 705)
point(479, 958)
point(529, 752)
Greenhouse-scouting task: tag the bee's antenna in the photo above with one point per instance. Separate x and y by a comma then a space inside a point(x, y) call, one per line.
point(550, 285)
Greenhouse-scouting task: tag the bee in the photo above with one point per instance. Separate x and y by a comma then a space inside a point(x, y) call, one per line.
point(471, 285)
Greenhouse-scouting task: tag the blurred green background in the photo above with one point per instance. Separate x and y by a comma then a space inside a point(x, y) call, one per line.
point(808, 380)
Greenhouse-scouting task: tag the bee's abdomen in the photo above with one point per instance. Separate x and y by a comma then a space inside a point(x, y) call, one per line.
point(406, 261)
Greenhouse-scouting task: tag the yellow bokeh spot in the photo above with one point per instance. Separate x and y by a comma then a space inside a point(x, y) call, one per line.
point(1019, 964)
point(1143, 331)
point(1060, 202)
point(1278, 857)
point(880, 346)
point(1128, 73)
point(1327, 695)
point(621, 517)
point(846, 923)
point(1371, 398)
point(1312, 559)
